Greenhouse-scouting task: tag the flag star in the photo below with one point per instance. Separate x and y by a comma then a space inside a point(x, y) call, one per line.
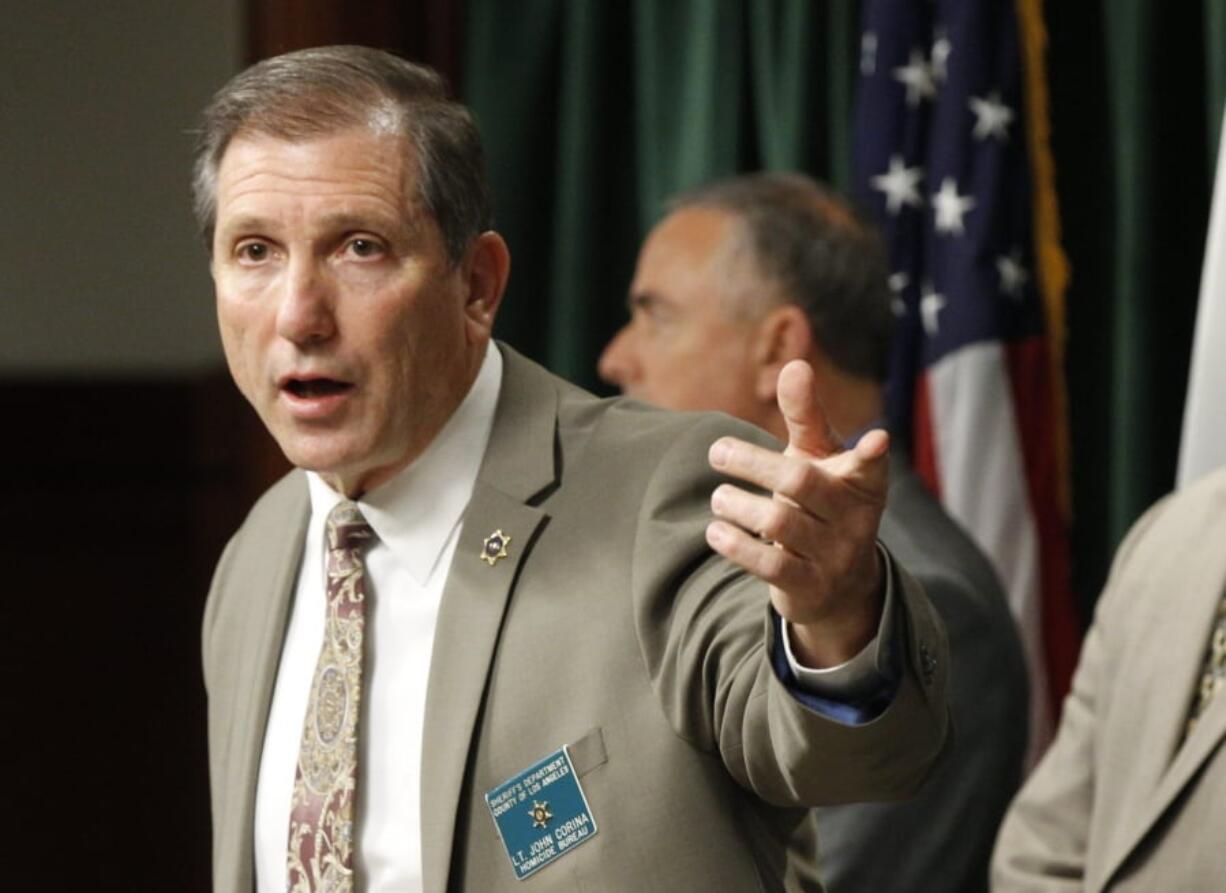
point(931, 305)
point(917, 78)
point(950, 207)
point(941, 48)
point(900, 185)
point(992, 117)
point(1013, 276)
point(868, 53)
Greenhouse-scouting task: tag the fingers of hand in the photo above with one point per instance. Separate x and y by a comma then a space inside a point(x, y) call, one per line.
point(803, 413)
point(823, 518)
point(872, 445)
point(824, 488)
point(770, 563)
point(864, 468)
point(772, 519)
point(803, 589)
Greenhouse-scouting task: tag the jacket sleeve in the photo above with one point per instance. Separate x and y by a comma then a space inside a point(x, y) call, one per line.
point(705, 631)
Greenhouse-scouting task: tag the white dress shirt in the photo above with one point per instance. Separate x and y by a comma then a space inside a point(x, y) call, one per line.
point(416, 517)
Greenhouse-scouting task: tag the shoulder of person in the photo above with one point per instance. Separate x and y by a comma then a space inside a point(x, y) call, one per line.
point(279, 515)
point(1188, 516)
point(622, 424)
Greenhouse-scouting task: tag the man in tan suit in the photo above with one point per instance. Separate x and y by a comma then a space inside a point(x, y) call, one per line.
point(489, 637)
point(742, 276)
point(1131, 796)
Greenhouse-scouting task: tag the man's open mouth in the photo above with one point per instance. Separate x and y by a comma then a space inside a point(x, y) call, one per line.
point(316, 387)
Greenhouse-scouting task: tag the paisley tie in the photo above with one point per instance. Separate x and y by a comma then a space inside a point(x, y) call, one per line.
point(1213, 674)
point(322, 836)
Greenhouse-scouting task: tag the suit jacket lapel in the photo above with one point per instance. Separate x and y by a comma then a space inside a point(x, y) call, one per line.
point(518, 465)
point(1200, 744)
point(1178, 657)
point(260, 655)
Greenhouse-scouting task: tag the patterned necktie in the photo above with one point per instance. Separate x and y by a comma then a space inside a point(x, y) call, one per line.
point(321, 825)
point(1213, 674)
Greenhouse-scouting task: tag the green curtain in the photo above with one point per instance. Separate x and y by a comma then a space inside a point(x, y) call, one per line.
point(596, 112)
point(1162, 69)
point(1215, 76)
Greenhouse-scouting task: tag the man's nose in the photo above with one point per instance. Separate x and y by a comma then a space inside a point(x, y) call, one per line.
point(617, 364)
point(306, 313)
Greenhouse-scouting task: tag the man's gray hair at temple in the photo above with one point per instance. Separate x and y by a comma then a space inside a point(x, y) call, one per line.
point(316, 92)
point(819, 254)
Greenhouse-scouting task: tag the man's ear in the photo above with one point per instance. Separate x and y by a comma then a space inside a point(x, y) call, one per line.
point(783, 335)
point(485, 269)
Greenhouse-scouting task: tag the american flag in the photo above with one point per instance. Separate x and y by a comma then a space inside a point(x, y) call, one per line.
point(941, 157)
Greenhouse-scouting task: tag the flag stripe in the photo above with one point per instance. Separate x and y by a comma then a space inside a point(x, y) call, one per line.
point(980, 456)
point(1030, 373)
point(924, 449)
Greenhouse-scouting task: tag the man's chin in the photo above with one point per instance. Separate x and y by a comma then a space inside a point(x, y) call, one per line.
point(342, 471)
point(327, 460)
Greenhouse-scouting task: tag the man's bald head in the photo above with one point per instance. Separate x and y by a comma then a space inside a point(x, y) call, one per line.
point(743, 275)
point(809, 248)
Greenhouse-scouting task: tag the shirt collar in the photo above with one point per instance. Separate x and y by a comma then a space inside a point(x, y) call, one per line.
point(414, 513)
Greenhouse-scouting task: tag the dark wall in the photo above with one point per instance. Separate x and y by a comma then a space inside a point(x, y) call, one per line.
point(120, 496)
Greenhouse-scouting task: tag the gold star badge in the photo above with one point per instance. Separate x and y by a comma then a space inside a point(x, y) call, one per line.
point(495, 547)
point(540, 814)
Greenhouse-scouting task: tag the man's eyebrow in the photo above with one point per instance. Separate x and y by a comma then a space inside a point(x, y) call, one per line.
point(245, 224)
point(333, 220)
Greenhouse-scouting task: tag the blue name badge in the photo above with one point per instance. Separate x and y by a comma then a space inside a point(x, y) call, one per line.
point(541, 814)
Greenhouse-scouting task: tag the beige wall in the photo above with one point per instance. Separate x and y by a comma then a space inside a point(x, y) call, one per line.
point(101, 273)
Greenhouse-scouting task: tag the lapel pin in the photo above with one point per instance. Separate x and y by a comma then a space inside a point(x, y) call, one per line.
point(495, 547)
point(540, 814)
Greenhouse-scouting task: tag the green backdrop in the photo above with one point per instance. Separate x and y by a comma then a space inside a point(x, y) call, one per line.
point(595, 112)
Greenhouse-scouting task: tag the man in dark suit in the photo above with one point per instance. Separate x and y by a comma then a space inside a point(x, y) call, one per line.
point(742, 277)
point(489, 636)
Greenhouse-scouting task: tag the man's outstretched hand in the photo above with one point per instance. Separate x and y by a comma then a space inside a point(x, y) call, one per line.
point(820, 556)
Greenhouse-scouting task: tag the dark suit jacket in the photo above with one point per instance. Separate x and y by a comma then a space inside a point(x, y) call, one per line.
point(941, 841)
point(610, 627)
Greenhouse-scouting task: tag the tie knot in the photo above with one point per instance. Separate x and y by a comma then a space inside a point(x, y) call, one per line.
point(347, 529)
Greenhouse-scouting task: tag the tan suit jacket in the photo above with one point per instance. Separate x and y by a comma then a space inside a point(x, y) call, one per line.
point(610, 627)
point(1121, 802)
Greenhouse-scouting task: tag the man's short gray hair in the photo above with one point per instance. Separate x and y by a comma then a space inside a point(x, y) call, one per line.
point(819, 255)
point(318, 92)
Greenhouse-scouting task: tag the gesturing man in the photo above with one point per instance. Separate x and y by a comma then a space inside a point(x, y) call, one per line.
point(490, 633)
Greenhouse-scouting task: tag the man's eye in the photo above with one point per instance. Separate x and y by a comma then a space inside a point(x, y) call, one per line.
point(650, 313)
point(365, 247)
point(253, 251)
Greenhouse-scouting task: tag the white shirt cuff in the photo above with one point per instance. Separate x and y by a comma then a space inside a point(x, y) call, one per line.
point(869, 670)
